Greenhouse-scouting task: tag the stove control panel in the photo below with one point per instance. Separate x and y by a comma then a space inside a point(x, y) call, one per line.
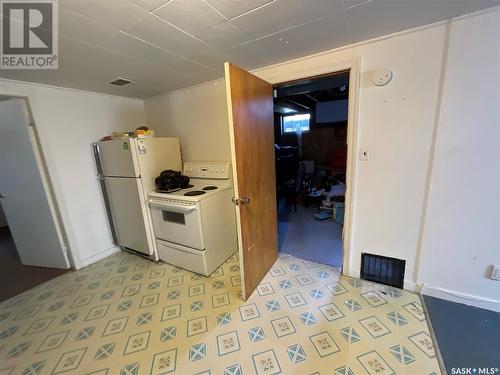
point(212, 170)
point(156, 200)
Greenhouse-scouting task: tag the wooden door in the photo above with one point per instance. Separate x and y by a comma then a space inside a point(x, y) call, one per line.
point(251, 127)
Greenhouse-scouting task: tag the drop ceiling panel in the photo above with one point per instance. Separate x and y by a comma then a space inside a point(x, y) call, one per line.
point(317, 36)
point(101, 40)
point(283, 14)
point(117, 14)
point(309, 38)
point(179, 67)
point(75, 26)
point(191, 16)
point(232, 8)
point(149, 5)
point(158, 32)
point(98, 63)
point(93, 61)
point(224, 35)
point(254, 54)
point(352, 3)
point(85, 67)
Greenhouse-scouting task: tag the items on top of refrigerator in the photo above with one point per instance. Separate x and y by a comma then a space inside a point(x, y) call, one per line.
point(140, 132)
point(143, 132)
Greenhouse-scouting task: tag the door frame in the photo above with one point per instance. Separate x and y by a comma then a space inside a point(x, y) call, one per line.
point(287, 72)
point(45, 177)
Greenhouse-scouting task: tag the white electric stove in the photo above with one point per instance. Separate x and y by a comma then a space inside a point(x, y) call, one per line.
point(195, 228)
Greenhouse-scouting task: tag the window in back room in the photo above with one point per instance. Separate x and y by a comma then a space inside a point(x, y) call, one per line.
point(295, 123)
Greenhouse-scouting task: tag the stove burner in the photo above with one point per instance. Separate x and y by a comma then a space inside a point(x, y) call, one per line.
point(193, 193)
point(167, 191)
point(188, 186)
point(210, 188)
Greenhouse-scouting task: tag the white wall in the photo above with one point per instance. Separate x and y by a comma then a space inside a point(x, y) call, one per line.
point(198, 116)
point(68, 121)
point(397, 125)
point(461, 237)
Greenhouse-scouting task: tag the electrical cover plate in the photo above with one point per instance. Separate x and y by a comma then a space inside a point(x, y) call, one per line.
point(495, 272)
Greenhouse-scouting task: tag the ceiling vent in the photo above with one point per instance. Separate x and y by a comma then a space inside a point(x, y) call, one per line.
point(121, 81)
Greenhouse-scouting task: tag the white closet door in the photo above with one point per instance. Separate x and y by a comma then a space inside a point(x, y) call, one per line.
point(24, 190)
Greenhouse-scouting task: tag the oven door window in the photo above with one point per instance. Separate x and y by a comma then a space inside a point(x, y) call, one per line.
point(179, 225)
point(173, 217)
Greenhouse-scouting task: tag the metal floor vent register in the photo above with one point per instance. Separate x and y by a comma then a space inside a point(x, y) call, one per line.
point(383, 270)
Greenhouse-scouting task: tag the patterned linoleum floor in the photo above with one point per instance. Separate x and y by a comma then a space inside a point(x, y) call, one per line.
point(126, 315)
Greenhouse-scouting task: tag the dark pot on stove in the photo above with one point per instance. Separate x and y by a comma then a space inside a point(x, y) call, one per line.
point(171, 180)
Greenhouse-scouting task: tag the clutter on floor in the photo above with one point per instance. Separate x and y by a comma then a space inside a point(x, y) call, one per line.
point(322, 215)
point(330, 200)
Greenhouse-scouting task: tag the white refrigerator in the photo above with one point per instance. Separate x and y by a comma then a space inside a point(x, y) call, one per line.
point(127, 168)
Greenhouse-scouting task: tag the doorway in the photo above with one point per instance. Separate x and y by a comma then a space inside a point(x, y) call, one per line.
point(311, 132)
point(32, 246)
point(251, 134)
point(15, 277)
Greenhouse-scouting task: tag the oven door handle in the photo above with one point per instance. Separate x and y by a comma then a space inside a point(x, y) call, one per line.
point(172, 207)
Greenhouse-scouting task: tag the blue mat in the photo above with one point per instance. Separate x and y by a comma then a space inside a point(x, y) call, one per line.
point(468, 337)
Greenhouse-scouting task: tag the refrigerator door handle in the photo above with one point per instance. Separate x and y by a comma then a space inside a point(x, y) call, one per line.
point(97, 157)
point(107, 204)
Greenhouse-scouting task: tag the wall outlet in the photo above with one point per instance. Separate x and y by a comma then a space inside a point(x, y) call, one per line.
point(495, 272)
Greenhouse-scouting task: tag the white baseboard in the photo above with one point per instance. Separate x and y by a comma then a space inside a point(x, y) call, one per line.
point(450, 295)
point(353, 272)
point(408, 285)
point(95, 258)
point(466, 299)
point(411, 286)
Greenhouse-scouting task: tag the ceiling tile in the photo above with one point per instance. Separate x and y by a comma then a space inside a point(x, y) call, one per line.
point(256, 54)
point(293, 43)
point(112, 13)
point(92, 50)
point(150, 5)
point(75, 26)
point(381, 17)
point(185, 70)
point(223, 36)
point(233, 8)
point(354, 3)
point(86, 67)
point(158, 32)
point(320, 35)
point(98, 66)
point(283, 14)
point(191, 16)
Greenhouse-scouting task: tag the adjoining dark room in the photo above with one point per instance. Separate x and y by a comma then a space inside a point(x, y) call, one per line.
point(310, 118)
